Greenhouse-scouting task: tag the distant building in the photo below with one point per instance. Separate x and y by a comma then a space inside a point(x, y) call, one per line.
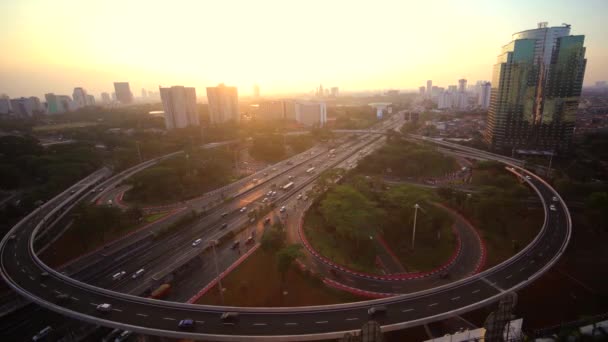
point(535, 90)
point(80, 97)
point(256, 91)
point(601, 84)
point(123, 92)
point(334, 91)
point(271, 110)
point(25, 106)
point(144, 93)
point(223, 104)
point(57, 104)
point(105, 98)
point(429, 88)
point(421, 90)
point(484, 95)
point(311, 113)
point(392, 93)
point(90, 100)
point(5, 104)
point(113, 97)
point(452, 88)
point(462, 85)
point(179, 104)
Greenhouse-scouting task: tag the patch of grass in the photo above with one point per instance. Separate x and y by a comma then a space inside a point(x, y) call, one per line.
point(340, 251)
point(63, 126)
point(256, 282)
point(154, 217)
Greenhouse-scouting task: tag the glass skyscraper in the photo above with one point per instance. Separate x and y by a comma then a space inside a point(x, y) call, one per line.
point(536, 85)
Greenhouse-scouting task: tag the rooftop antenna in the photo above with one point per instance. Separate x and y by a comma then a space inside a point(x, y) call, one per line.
point(566, 25)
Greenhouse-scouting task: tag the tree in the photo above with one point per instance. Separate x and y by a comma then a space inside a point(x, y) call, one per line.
point(352, 215)
point(273, 238)
point(285, 258)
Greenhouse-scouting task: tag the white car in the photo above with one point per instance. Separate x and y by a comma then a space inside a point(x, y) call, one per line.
point(552, 207)
point(554, 199)
point(137, 273)
point(299, 196)
point(528, 177)
point(197, 242)
point(105, 307)
point(243, 209)
point(283, 209)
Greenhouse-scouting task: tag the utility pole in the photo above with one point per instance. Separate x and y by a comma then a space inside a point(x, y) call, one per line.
point(550, 162)
point(416, 207)
point(217, 272)
point(138, 151)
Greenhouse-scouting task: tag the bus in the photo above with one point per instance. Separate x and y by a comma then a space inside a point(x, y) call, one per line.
point(288, 186)
point(311, 170)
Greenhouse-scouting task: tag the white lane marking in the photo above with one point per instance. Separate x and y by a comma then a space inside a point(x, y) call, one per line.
point(32, 278)
point(291, 323)
point(142, 315)
point(509, 276)
point(321, 322)
point(200, 322)
point(352, 319)
point(57, 292)
point(259, 324)
point(22, 270)
point(117, 310)
point(169, 318)
point(521, 269)
point(433, 304)
point(43, 285)
point(532, 261)
point(407, 310)
point(456, 298)
point(18, 263)
point(475, 291)
point(93, 304)
point(228, 323)
point(74, 298)
point(493, 284)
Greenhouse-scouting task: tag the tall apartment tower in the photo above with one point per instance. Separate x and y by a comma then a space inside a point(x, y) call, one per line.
point(429, 88)
point(179, 104)
point(80, 97)
point(223, 104)
point(536, 87)
point(462, 85)
point(484, 95)
point(123, 92)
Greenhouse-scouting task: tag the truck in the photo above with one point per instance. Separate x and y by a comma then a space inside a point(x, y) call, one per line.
point(288, 186)
point(161, 291)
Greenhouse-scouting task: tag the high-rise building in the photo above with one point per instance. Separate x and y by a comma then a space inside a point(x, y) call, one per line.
point(271, 110)
point(536, 86)
point(25, 106)
point(256, 91)
point(223, 104)
point(462, 85)
point(421, 90)
point(484, 95)
point(105, 98)
point(179, 104)
point(80, 97)
point(452, 88)
point(90, 100)
point(123, 92)
point(311, 113)
point(429, 88)
point(5, 104)
point(334, 91)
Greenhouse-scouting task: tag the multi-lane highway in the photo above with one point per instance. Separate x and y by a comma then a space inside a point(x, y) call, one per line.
point(22, 269)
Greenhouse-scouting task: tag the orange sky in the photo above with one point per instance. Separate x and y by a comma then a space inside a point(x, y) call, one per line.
point(285, 46)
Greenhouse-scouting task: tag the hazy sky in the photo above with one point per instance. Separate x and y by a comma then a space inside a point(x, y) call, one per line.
point(285, 46)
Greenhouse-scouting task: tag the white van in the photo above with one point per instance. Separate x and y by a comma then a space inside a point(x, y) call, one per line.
point(119, 275)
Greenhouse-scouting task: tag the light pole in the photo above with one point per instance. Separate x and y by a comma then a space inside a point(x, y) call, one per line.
point(416, 207)
point(217, 272)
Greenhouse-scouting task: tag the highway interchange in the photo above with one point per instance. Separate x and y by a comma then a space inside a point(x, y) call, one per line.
point(156, 317)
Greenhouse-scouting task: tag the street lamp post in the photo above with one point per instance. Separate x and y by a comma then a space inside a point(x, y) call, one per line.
point(217, 272)
point(416, 207)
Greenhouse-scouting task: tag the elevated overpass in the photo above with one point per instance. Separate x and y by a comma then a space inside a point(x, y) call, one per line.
point(23, 271)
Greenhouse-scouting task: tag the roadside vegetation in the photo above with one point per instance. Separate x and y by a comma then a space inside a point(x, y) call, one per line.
point(352, 117)
point(89, 228)
point(270, 277)
point(402, 159)
point(344, 223)
point(499, 208)
point(182, 177)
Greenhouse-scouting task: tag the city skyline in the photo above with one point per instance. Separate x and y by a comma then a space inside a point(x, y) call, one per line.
point(109, 51)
